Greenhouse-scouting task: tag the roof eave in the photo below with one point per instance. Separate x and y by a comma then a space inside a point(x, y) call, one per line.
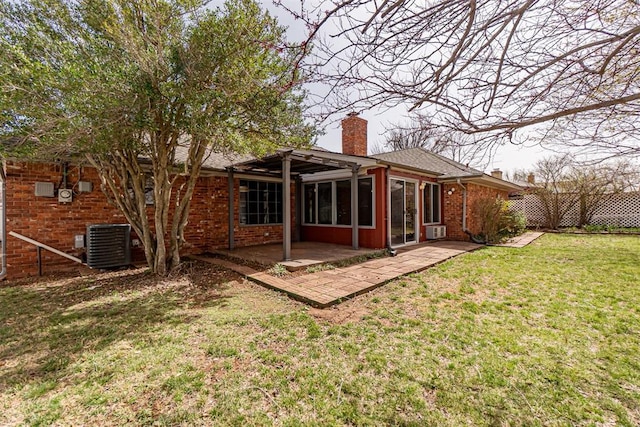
point(485, 180)
point(406, 167)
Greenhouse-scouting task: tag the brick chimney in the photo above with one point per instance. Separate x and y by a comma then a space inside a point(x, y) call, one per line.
point(496, 173)
point(531, 178)
point(354, 135)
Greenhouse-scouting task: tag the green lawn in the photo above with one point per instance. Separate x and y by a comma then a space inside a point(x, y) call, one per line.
point(544, 335)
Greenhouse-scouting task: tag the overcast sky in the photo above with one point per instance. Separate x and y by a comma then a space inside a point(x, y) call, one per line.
point(506, 158)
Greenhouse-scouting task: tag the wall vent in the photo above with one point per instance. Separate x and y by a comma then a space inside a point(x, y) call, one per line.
point(108, 245)
point(44, 189)
point(436, 231)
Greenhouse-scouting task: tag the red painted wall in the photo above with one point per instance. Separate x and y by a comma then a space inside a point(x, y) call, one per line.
point(367, 237)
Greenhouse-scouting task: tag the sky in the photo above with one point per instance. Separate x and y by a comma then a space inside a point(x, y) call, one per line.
point(506, 158)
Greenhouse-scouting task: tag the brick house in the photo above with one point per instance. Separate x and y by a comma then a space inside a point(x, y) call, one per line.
point(349, 198)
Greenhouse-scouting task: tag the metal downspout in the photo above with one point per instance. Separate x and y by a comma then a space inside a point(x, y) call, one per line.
point(464, 207)
point(464, 214)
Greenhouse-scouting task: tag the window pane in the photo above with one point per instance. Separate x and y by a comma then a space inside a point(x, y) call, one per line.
point(428, 205)
point(365, 201)
point(325, 203)
point(260, 202)
point(243, 202)
point(343, 202)
point(397, 212)
point(436, 203)
point(310, 203)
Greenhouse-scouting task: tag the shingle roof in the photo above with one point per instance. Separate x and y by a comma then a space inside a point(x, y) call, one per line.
point(426, 160)
point(214, 160)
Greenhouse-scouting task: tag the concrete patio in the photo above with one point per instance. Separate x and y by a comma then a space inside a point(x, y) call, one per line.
point(303, 254)
point(325, 288)
point(522, 240)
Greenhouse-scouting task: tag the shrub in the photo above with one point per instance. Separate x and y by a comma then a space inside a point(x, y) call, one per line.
point(497, 220)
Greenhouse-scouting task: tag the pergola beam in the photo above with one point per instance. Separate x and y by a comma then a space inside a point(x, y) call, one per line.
point(354, 207)
point(231, 208)
point(286, 203)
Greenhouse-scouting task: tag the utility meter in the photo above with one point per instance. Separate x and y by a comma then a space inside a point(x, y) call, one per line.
point(65, 195)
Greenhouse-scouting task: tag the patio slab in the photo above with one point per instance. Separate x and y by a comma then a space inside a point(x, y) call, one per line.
point(303, 254)
point(522, 240)
point(325, 288)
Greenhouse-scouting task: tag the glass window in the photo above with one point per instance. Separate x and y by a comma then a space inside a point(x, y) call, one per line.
point(325, 203)
point(435, 196)
point(343, 202)
point(431, 199)
point(310, 203)
point(260, 202)
point(365, 201)
point(321, 200)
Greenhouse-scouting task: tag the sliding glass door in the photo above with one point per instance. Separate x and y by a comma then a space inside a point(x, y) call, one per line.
point(404, 228)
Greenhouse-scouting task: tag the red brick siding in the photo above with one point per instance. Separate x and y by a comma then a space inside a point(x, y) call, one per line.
point(477, 192)
point(354, 136)
point(54, 224)
point(45, 220)
point(453, 208)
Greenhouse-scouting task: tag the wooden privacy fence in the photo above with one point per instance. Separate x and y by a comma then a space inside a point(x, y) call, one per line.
point(621, 210)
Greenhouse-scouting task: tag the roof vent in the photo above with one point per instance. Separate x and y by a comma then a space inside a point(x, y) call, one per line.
point(108, 245)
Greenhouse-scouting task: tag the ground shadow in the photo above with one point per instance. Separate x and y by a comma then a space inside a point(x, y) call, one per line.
point(46, 325)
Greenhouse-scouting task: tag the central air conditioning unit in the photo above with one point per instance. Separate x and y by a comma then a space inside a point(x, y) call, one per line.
point(108, 245)
point(436, 231)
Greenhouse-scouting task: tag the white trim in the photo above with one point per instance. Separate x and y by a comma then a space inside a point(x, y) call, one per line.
point(334, 211)
point(338, 175)
point(423, 174)
point(440, 187)
point(334, 202)
point(404, 225)
point(365, 227)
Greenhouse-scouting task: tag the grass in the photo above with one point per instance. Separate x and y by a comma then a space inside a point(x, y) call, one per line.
point(602, 229)
point(544, 335)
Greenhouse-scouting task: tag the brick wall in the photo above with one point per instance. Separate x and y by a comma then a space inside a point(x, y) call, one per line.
point(46, 220)
point(453, 208)
point(55, 224)
point(249, 235)
point(354, 135)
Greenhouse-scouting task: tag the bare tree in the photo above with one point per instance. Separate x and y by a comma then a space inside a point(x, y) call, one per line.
point(423, 134)
point(520, 174)
point(490, 67)
point(597, 185)
point(555, 190)
point(564, 185)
